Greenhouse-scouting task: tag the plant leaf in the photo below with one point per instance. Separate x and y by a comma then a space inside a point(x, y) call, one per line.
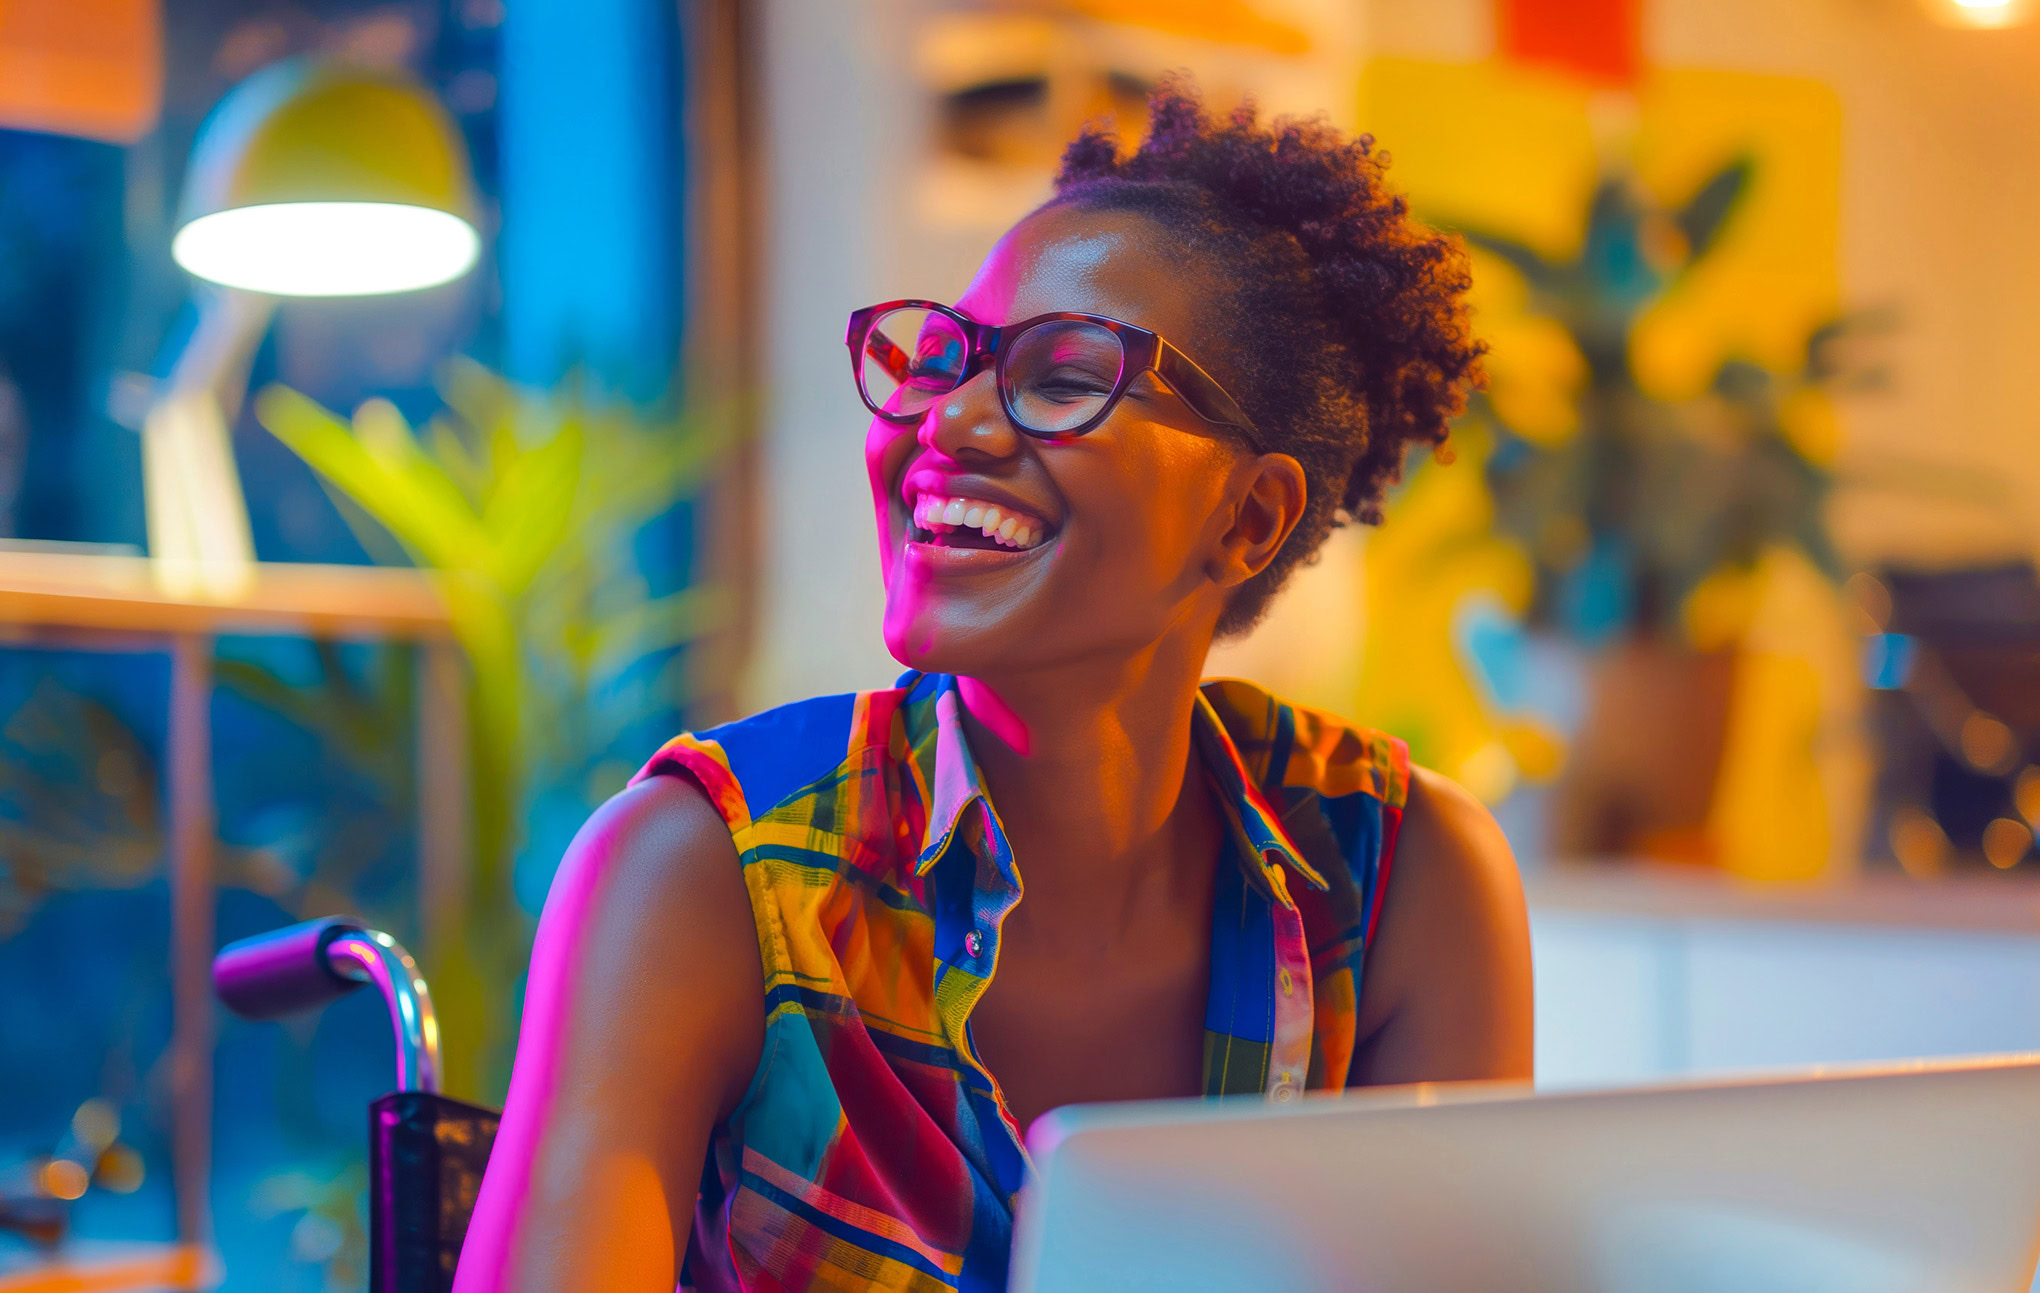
point(1542, 274)
point(434, 524)
point(1705, 213)
point(530, 510)
point(656, 625)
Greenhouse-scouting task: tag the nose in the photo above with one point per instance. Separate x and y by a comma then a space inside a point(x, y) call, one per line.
point(969, 423)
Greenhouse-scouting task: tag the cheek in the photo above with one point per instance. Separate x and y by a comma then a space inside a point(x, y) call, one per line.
point(886, 448)
point(1150, 519)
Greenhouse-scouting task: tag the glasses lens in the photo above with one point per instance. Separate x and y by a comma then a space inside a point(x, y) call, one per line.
point(1059, 375)
point(911, 357)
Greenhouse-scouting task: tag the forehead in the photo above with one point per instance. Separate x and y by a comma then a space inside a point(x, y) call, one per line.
point(1066, 259)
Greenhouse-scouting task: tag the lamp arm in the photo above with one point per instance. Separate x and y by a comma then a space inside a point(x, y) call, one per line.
point(197, 514)
point(221, 350)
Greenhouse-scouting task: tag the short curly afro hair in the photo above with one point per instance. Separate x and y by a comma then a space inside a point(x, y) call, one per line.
point(1359, 345)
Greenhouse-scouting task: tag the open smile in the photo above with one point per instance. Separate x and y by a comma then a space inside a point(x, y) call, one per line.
point(970, 524)
point(958, 533)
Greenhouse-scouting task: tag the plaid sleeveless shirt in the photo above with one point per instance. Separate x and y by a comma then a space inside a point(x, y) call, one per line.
point(872, 1149)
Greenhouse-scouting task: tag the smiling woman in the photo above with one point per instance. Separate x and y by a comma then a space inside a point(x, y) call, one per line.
point(789, 1017)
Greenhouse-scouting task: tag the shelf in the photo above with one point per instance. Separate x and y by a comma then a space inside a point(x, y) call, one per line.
point(40, 591)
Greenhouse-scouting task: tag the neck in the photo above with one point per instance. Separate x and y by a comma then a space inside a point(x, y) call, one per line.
point(1094, 776)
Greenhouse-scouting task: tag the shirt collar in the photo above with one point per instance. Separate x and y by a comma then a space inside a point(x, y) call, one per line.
point(940, 761)
point(1257, 827)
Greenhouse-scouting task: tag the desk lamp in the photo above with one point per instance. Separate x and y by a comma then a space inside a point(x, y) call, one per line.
point(308, 179)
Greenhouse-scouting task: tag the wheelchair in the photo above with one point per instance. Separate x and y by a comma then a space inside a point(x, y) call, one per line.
point(426, 1150)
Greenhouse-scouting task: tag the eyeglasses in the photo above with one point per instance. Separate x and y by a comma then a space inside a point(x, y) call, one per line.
point(1058, 375)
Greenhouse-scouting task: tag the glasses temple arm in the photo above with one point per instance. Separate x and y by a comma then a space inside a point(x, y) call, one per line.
point(1202, 392)
point(881, 347)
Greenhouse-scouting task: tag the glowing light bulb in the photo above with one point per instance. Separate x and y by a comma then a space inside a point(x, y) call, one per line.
point(1979, 13)
point(328, 248)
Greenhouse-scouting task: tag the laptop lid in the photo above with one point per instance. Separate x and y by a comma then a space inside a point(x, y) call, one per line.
point(1920, 1177)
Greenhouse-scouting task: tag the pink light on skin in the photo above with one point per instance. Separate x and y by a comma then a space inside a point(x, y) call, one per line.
point(563, 931)
point(998, 718)
point(876, 442)
point(902, 464)
point(907, 599)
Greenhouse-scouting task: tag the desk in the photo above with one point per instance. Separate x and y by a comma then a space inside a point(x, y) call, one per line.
point(116, 603)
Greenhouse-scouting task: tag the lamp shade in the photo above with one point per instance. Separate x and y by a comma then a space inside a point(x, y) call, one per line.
point(313, 179)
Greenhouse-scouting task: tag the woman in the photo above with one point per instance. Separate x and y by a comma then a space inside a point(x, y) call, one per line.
point(1160, 393)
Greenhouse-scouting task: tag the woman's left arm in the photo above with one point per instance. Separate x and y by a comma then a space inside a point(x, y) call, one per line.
point(1446, 991)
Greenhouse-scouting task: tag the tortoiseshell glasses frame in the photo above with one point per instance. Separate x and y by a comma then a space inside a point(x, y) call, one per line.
point(1140, 351)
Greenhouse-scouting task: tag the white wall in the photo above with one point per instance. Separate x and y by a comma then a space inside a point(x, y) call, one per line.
point(1940, 200)
point(1629, 998)
point(831, 73)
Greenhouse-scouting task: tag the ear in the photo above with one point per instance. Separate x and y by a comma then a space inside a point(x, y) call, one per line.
point(1268, 502)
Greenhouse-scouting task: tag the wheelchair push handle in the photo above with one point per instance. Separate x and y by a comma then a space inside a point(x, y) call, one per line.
point(304, 966)
point(268, 976)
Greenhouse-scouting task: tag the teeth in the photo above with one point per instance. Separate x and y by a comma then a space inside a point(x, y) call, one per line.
point(932, 513)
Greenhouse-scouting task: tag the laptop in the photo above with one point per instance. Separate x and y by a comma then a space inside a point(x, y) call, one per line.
point(1916, 1177)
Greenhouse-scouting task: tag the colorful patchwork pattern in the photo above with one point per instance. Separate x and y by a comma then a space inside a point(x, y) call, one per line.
point(873, 1149)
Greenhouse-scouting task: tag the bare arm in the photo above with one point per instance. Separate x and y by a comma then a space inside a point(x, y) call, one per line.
point(1446, 993)
point(643, 1022)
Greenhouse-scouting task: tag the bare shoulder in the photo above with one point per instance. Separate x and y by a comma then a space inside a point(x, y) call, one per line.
point(1446, 988)
point(658, 848)
point(648, 918)
point(1457, 856)
point(643, 1022)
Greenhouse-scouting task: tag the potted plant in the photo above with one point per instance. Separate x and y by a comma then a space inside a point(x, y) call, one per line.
point(1644, 523)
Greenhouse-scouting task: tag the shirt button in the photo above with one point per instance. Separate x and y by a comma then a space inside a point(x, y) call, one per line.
point(974, 944)
point(1288, 983)
point(1283, 1092)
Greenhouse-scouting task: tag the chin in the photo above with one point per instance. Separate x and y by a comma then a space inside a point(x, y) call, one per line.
point(935, 626)
point(921, 641)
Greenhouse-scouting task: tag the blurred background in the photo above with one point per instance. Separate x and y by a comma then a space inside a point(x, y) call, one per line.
point(345, 576)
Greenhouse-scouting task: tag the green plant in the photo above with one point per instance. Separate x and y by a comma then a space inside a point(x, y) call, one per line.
point(527, 507)
point(78, 803)
point(1626, 517)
